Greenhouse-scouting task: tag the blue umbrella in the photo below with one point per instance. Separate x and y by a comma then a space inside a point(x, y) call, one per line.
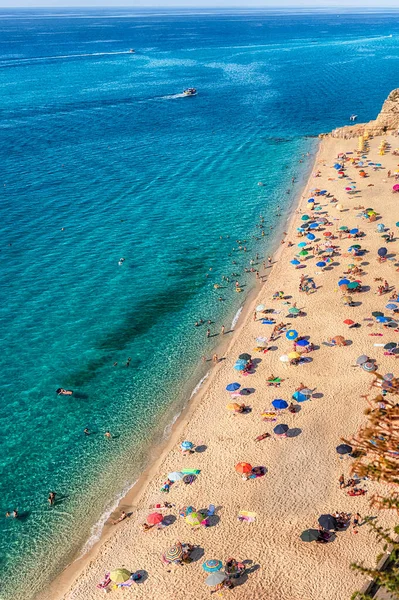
point(232, 387)
point(382, 252)
point(337, 166)
point(344, 282)
point(295, 262)
point(280, 404)
point(300, 396)
point(311, 200)
point(281, 429)
point(313, 226)
point(302, 245)
point(353, 231)
point(302, 343)
point(302, 229)
point(321, 264)
point(239, 366)
point(311, 237)
point(186, 445)
point(323, 192)
point(391, 306)
point(344, 449)
point(291, 334)
point(210, 566)
point(383, 319)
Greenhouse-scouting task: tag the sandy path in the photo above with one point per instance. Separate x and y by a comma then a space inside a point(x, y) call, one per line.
point(302, 471)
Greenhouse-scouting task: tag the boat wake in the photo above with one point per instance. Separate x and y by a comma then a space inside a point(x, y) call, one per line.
point(172, 96)
point(17, 61)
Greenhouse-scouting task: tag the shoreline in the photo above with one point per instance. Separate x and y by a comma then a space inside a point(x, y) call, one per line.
point(131, 499)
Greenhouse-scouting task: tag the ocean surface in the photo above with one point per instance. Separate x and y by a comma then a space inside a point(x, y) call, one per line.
point(102, 158)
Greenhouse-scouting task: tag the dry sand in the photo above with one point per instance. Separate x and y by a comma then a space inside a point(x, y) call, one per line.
point(302, 471)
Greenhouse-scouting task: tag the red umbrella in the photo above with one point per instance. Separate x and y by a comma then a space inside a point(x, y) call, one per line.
point(327, 233)
point(349, 322)
point(243, 467)
point(154, 518)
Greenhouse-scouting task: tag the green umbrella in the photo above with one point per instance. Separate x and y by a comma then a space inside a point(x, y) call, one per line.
point(305, 218)
point(303, 253)
point(343, 228)
point(194, 519)
point(119, 575)
point(357, 246)
point(294, 311)
point(353, 285)
point(310, 535)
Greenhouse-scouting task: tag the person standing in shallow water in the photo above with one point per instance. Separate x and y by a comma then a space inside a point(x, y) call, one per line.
point(51, 498)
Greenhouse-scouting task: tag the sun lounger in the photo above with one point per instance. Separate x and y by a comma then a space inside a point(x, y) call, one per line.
point(245, 515)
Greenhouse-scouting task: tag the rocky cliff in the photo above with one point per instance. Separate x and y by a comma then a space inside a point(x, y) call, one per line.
point(387, 120)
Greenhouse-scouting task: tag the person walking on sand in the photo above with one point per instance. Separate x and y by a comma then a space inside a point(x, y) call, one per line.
point(269, 260)
point(223, 329)
point(341, 482)
point(51, 498)
point(215, 358)
point(356, 521)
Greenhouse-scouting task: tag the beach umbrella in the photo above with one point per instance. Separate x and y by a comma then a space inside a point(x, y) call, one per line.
point(301, 229)
point(339, 207)
point(344, 449)
point(392, 324)
point(302, 245)
point(119, 575)
point(302, 343)
point(310, 535)
point(382, 319)
point(349, 322)
point(354, 247)
point(295, 262)
point(239, 366)
point(293, 355)
point(328, 522)
point(294, 311)
point(175, 476)
point(347, 299)
point(245, 356)
point(343, 282)
point(392, 306)
point(280, 404)
point(321, 264)
point(212, 565)
point(186, 445)
point(315, 225)
point(215, 578)
point(353, 285)
point(354, 231)
point(154, 518)
point(281, 429)
point(311, 236)
point(327, 233)
point(388, 376)
point(369, 366)
point(382, 252)
point(303, 253)
point(233, 387)
point(322, 192)
point(300, 396)
point(233, 406)
point(337, 166)
point(390, 346)
point(291, 334)
point(284, 358)
point(396, 187)
point(174, 553)
point(186, 510)
point(194, 519)
point(377, 313)
point(362, 359)
point(343, 228)
point(305, 217)
point(260, 307)
point(243, 467)
point(397, 224)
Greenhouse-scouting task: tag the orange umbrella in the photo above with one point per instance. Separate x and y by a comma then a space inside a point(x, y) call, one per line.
point(233, 406)
point(243, 467)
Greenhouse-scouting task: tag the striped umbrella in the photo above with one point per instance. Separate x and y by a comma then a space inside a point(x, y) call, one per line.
point(194, 519)
point(154, 518)
point(243, 467)
point(119, 575)
point(174, 553)
point(212, 565)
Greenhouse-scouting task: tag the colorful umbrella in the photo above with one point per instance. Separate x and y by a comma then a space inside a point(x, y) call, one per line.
point(280, 404)
point(291, 334)
point(212, 565)
point(119, 575)
point(154, 518)
point(243, 467)
point(174, 553)
point(233, 387)
point(301, 396)
point(194, 519)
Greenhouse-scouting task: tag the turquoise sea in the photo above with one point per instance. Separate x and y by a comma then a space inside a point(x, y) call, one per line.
point(101, 158)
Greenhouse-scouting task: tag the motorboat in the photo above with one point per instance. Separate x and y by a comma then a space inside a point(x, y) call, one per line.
point(190, 92)
point(132, 51)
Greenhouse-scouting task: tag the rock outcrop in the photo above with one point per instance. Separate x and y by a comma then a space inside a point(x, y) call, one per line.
point(387, 121)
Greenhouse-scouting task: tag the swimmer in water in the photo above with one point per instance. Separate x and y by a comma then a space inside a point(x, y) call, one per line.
point(62, 392)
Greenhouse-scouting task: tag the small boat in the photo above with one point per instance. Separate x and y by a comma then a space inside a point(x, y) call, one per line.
point(190, 92)
point(353, 117)
point(132, 51)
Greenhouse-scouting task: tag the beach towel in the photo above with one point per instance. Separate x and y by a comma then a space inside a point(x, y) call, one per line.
point(245, 515)
point(191, 471)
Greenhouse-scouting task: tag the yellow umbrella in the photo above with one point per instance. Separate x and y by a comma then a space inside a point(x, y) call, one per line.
point(233, 406)
point(119, 575)
point(339, 207)
point(194, 519)
point(292, 355)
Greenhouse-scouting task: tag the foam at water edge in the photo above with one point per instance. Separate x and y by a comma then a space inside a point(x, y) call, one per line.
point(199, 384)
point(97, 529)
point(236, 317)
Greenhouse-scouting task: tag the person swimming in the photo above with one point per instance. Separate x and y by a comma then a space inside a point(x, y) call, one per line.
point(62, 392)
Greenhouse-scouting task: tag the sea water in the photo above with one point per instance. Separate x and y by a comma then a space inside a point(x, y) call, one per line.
point(101, 159)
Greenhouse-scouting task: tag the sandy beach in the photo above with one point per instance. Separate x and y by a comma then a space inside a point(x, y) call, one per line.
point(303, 469)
